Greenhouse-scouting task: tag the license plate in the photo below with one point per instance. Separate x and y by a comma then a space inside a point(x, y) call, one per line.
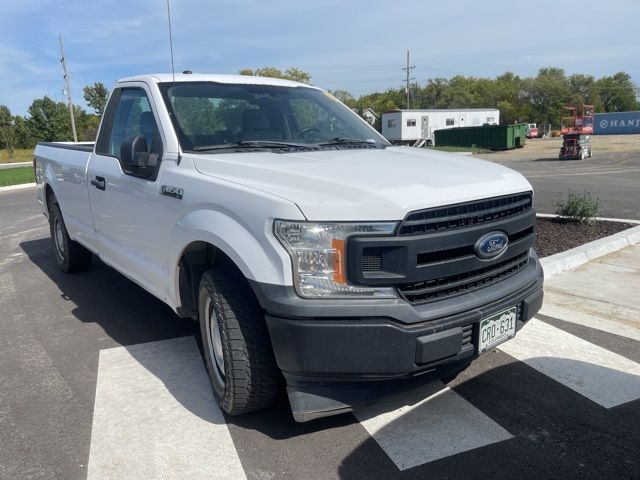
point(497, 328)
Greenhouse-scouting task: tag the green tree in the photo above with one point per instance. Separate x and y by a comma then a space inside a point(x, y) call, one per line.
point(96, 97)
point(618, 93)
point(433, 94)
point(547, 93)
point(292, 73)
point(49, 120)
point(24, 136)
point(7, 129)
point(345, 97)
point(584, 89)
point(86, 125)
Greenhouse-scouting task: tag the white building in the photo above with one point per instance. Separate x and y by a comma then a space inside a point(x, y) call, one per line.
point(410, 126)
point(370, 116)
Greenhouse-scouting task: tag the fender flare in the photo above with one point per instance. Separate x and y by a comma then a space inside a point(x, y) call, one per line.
point(259, 259)
point(49, 179)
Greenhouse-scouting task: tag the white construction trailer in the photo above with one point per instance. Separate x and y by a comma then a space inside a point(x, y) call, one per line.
point(416, 127)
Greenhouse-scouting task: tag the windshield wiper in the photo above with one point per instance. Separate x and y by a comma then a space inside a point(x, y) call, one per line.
point(347, 140)
point(251, 144)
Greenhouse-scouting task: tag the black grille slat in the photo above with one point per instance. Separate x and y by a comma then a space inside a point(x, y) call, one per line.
point(371, 260)
point(465, 214)
point(430, 290)
point(467, 334)
point(467, 277)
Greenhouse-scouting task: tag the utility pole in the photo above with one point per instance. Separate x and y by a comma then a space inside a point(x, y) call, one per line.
point(67, 91)
point(408, 69)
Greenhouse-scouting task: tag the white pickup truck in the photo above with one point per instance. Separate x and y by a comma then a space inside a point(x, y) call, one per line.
point(309, 249)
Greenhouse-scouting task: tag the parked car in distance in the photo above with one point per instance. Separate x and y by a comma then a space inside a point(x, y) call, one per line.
point(532, 130)
point(309, 249)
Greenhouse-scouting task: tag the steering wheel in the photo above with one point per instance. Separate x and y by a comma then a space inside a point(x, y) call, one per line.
point(308, 132)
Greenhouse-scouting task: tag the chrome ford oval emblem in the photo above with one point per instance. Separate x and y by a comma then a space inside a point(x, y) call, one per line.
point(491, 245)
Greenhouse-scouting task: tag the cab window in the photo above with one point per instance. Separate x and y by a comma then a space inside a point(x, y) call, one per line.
point(134, 138)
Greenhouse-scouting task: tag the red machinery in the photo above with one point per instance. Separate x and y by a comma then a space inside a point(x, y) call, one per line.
point(576, 128)
point(579, 120)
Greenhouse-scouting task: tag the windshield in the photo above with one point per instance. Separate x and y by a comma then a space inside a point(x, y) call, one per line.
point(208, 115)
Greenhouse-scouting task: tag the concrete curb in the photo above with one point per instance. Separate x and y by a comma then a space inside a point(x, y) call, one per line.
point(17, 187)
point(563, 261)
point(15, 164)
point(602, 219)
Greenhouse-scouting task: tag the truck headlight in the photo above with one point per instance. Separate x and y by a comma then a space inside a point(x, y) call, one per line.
point(319, 257)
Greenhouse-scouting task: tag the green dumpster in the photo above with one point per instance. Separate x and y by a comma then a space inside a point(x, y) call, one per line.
point(492, 137)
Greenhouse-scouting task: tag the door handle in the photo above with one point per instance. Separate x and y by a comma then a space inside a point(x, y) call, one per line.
point(99, 183)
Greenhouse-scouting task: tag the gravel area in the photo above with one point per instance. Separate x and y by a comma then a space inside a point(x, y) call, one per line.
point(555, 235)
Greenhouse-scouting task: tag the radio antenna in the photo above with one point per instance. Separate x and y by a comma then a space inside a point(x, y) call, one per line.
point(173, 70)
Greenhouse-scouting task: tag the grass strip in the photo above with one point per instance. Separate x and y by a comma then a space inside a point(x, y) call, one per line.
point(16, 176)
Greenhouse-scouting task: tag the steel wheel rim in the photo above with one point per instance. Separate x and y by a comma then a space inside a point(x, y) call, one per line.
point(214, 340)
point(58, 238)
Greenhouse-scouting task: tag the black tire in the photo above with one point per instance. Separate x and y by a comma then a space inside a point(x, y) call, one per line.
point(70, 256)
point(248, 378)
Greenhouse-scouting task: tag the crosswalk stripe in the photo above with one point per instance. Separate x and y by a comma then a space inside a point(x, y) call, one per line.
point(602, 376)
point(155, 416)
point(427, 424)
point(593, 313)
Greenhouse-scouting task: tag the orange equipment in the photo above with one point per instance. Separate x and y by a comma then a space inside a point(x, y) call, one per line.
point(579, 120)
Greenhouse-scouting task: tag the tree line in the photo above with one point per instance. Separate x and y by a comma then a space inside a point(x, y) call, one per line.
point(536, 99)
point(49, 121)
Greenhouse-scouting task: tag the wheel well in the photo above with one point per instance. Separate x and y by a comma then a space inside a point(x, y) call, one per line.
point(196, 259)
point(49, 196)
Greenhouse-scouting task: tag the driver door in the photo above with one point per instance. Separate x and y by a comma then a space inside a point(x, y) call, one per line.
point(129, 215)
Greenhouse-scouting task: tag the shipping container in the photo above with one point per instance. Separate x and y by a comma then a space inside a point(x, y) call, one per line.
point(493, 137)
point(616, 123)
point(409, 126)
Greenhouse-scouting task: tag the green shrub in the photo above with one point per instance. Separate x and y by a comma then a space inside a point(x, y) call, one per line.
point(578, 207)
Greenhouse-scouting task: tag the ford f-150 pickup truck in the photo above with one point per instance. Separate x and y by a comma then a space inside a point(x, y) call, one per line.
point(310, 250)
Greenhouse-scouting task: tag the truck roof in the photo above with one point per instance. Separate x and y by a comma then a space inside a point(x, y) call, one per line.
point(209, 77)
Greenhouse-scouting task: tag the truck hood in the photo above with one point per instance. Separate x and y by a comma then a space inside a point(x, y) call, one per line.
point(364, 184)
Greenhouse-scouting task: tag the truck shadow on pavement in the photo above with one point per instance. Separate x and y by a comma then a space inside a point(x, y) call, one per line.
point(124, 311)
point(130, 316)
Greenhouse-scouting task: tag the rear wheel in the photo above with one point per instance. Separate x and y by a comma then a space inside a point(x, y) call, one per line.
point(70, 256)
point(236, 344)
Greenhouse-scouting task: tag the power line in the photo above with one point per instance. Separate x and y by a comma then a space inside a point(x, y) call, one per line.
point(408, 69)
point(67, 91)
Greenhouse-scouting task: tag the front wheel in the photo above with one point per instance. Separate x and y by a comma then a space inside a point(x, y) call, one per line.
point(236, 344)
point(70, 256)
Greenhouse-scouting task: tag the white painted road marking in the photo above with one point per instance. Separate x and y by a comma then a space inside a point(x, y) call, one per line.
point(592, 313)
point(427, 424)
point(155, 416)
point(602, 376)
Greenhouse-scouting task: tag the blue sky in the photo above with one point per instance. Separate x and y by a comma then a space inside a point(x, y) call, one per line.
point(353, 45)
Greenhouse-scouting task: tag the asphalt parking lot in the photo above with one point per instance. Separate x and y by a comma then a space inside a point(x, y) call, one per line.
point(612, 174)
point(99, 379)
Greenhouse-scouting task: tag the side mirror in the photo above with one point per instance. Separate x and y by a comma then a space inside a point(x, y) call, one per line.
point(133, 151)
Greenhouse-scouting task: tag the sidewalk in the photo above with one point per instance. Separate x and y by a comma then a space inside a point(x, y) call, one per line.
point(601, 294)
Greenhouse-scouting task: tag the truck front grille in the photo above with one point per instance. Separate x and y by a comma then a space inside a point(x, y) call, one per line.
point(465, 214)
point(449, 286)
point(433, 255)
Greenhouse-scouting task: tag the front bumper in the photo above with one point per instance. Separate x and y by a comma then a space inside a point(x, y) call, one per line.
point(335, 355)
